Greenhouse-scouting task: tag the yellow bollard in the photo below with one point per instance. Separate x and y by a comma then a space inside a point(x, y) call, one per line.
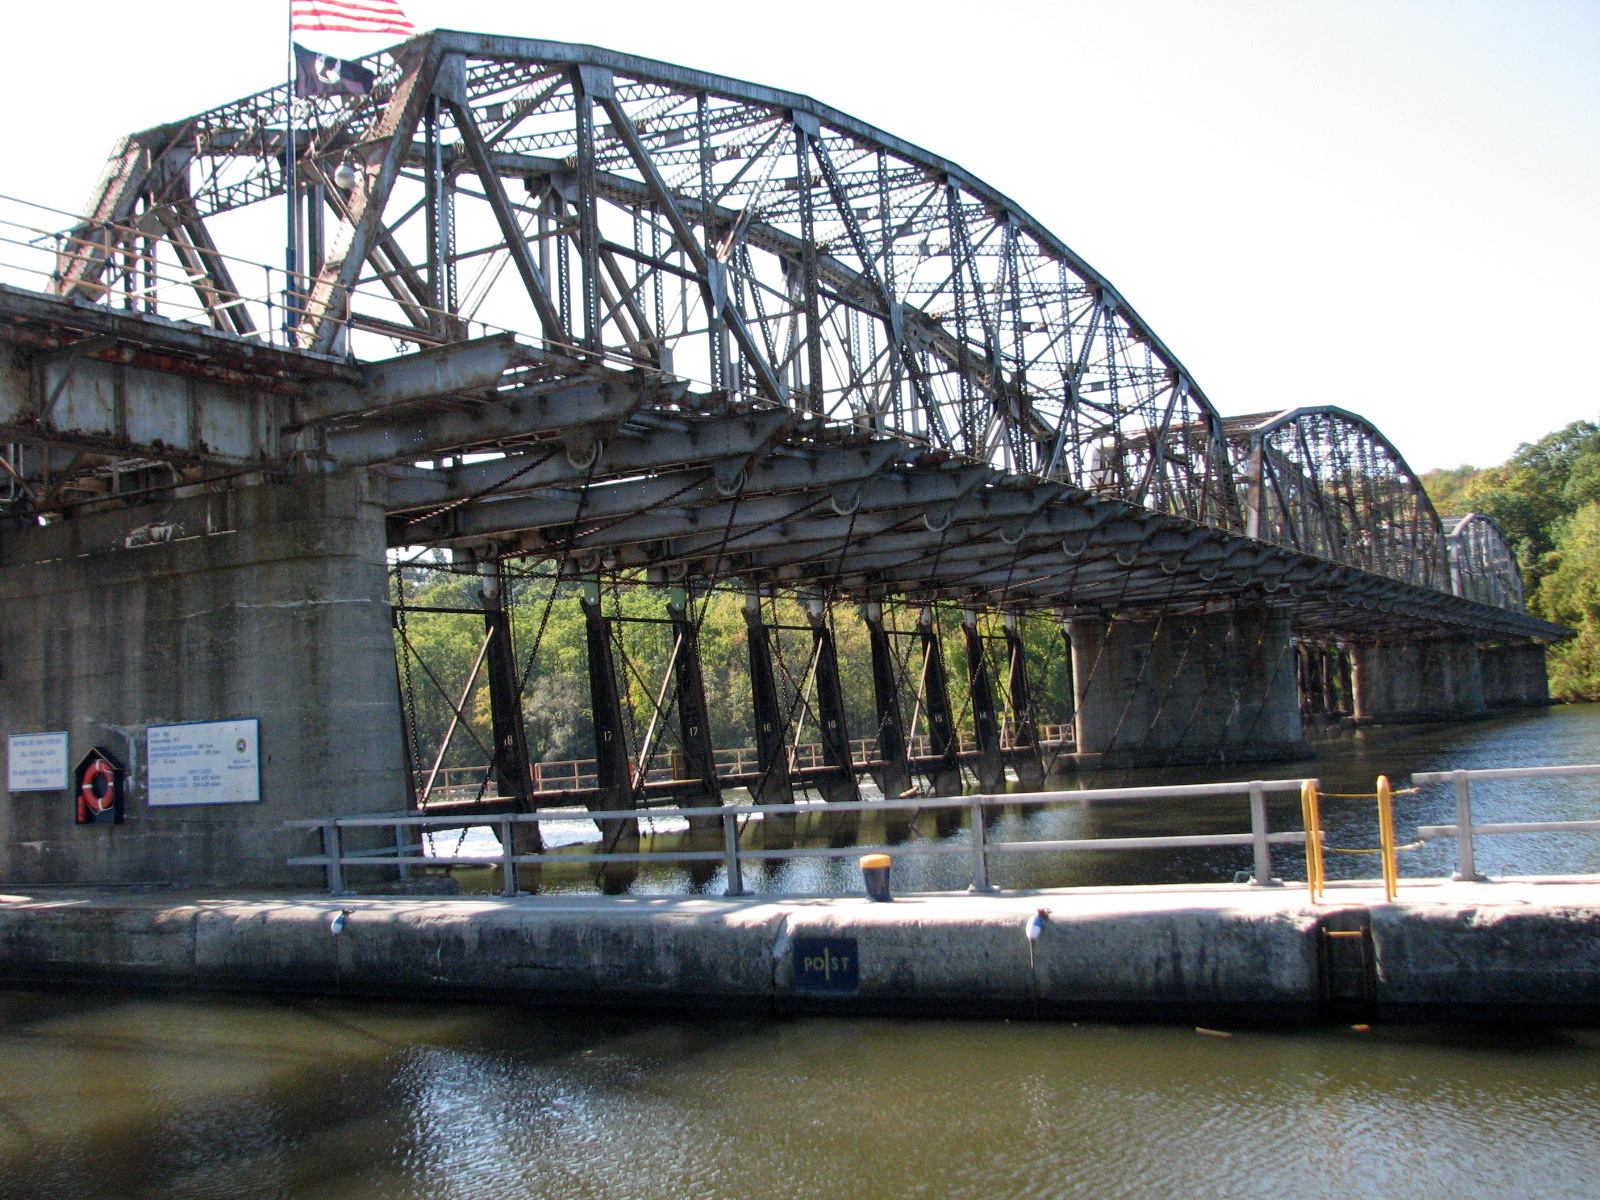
point(875, 870)
point(1391, 872)
point(1312, 820)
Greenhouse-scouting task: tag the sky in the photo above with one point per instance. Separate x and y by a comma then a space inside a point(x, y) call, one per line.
point(1388, 205)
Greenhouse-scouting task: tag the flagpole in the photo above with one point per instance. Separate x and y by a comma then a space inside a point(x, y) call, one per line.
point(291, 305)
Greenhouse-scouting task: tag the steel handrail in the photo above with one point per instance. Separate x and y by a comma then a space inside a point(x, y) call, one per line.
point(334, 858)
point(1464, 831)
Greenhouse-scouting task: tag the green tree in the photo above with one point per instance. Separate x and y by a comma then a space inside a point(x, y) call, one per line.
point(1536, 489)
point(1570, 595)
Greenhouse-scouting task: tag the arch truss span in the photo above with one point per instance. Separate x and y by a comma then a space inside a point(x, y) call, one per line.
point(1326, 482)
point(1483, 566)
point(702, 327)
point(762, 246)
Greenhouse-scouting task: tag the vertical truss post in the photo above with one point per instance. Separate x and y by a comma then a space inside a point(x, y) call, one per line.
point(894, 776)
point(1025, 727)
point(510, 764)
point(830, 708)
point(610, 744)
point(985, 721)
point(716, 330)
point(807, 127)
point(772, 731)
point(945, 775)
point(434, 217)
point(694, 717)
point(589, 84)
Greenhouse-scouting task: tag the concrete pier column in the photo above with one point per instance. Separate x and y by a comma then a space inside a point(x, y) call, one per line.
point(894, 776)
point(1025, 730)
point(1514, 676)
point(991, 769)
point(1440, 679)
point(265, 602)
point(772, 727)
point(944, 775)
point(1173, 690)
point(841, 786)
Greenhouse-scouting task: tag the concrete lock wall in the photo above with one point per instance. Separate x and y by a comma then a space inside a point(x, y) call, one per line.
point(1219, 687)
point(266, 602)
point(1436, 680)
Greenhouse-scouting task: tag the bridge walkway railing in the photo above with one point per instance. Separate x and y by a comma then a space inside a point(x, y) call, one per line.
point(464, 784)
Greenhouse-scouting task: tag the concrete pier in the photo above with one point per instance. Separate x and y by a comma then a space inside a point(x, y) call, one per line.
point(266, 602)
point(1515, 675)
point(1518, 949)
point(1178, 690)
point(1444, 679)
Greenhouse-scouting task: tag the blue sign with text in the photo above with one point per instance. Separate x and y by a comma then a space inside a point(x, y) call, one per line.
point(826, 965)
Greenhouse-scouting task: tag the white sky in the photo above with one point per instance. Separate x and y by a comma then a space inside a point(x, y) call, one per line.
point(1392, 205)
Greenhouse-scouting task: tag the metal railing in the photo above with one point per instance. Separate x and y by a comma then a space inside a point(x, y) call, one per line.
point(1464, 831)
point(335, 859)
point(140, 266)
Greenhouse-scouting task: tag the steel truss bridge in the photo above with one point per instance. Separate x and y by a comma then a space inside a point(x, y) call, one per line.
point(642, 322)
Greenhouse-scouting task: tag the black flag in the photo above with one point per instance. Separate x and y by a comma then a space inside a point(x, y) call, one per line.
point(323, 75)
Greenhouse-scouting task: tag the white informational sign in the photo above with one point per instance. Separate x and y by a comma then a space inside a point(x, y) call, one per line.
point(36, 762)
point(215, 762)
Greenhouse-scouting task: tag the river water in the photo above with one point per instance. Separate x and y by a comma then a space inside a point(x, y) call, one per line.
point(1348, 763)
point(133, 1096)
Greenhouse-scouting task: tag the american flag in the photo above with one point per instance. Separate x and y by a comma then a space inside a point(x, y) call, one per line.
point(350, 16)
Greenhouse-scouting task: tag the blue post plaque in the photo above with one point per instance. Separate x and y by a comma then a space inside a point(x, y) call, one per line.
point(826, 965)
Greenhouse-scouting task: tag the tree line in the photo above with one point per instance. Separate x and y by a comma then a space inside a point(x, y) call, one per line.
point(1546, 497)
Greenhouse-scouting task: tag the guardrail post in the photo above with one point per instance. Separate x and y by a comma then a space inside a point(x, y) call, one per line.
point(401, 845)
point(730, 848)
point(508, 859)
point(1391, 869)
point(1258, 833)
point(333, 851)
point(1466, 861)
point(980, 849)
point(1310, 811)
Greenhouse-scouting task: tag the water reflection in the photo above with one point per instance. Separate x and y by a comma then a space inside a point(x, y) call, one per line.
point(135, 1097)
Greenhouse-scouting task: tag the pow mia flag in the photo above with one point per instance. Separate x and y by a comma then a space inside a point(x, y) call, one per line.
point(323, 75)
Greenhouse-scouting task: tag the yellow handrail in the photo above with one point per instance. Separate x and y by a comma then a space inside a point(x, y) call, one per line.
point(1312, 820)
point(1391, 870)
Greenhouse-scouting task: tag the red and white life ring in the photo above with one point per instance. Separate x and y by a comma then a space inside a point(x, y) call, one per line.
point(97, 788)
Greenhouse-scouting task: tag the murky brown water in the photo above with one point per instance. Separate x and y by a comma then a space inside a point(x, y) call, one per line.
point(127, 1097)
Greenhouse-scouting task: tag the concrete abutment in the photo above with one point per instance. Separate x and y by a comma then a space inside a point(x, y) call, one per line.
point(265, 602)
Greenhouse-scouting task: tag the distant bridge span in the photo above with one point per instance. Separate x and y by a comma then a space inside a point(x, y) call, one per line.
point(552, 304)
